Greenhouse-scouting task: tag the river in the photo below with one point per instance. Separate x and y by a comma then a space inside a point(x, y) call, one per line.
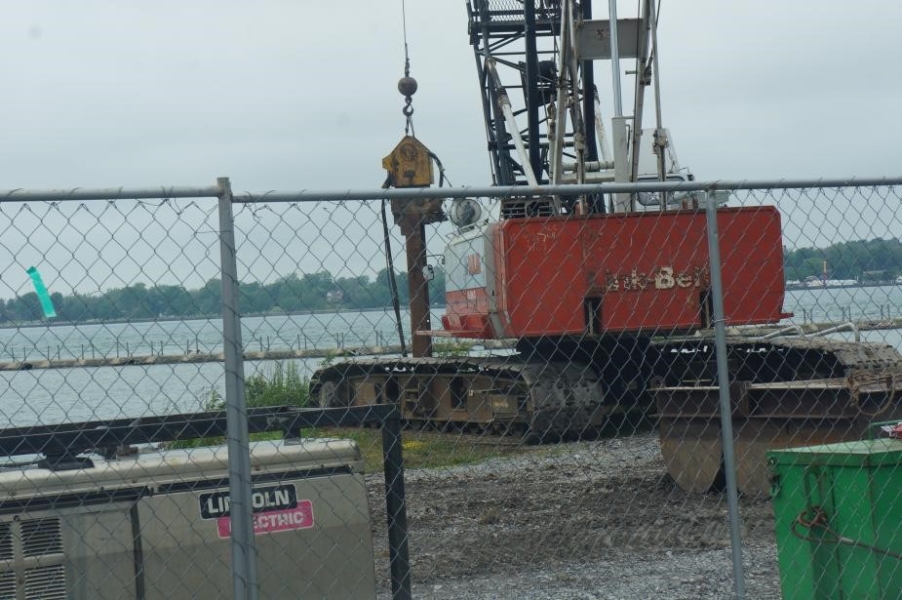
point(80, 394)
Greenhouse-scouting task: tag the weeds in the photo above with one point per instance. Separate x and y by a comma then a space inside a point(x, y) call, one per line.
point(451, 349)
point(282, 385)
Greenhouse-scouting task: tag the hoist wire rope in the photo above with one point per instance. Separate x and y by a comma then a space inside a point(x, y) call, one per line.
point(386, 236)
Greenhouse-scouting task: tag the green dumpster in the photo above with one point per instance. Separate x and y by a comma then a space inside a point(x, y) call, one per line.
point(838, 520)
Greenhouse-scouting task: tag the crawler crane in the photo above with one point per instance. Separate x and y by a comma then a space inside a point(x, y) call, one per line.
point(608, 298)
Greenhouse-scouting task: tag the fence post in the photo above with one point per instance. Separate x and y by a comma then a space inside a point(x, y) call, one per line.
point(395, 504)
point(244, 553)
point(723, 382)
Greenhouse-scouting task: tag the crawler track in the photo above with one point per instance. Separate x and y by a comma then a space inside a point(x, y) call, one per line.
point(784, 392)
point(542, 400)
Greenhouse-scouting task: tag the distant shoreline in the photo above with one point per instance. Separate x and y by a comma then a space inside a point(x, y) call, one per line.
point(32, 324)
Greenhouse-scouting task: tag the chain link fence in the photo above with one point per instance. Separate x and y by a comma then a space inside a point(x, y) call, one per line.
point(613, 406)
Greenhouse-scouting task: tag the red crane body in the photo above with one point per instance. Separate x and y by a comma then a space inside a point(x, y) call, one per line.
point(611, 274)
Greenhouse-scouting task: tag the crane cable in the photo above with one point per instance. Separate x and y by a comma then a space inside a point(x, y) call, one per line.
point(392, 282)
point(408, 98)
point(407, 111)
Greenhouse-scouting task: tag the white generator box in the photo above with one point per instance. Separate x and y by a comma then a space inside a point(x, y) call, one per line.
point(157, 525)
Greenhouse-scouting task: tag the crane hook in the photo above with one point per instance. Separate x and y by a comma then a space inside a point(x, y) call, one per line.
point(407, 85)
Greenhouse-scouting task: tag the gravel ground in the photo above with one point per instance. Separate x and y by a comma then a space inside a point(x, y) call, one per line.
point(584, 520)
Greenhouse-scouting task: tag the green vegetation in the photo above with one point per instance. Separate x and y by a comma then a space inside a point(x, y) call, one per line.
point(282, 385)
point(863, 260)
point(311, 292)
point(455, 349)
point(421, 449)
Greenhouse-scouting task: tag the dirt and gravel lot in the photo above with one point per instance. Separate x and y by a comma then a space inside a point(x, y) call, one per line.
point(582, 520)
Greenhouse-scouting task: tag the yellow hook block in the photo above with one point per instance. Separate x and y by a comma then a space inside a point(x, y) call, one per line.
point(409, 165)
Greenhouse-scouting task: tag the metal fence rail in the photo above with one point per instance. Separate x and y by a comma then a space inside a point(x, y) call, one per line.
point(597, 417)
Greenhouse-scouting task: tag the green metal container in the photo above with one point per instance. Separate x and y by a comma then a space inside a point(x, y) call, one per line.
point(838, 520)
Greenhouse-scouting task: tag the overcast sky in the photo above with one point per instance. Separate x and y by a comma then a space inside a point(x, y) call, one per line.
point(301, 94)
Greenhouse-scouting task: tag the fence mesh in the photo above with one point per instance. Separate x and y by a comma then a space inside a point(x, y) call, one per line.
point(564, 438)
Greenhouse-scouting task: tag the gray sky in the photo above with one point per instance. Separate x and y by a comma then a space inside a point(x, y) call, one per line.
point(300, 94)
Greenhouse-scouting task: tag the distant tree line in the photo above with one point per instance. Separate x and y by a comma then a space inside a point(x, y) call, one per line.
point(293, 293)
point(863, 260)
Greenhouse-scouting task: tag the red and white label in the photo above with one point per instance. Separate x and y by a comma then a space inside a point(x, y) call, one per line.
point(300, 517)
